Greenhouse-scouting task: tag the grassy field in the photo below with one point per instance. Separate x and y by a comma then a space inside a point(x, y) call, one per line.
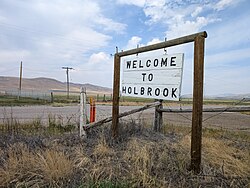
point(61, 99)
point(6, 100)
point(56, 157)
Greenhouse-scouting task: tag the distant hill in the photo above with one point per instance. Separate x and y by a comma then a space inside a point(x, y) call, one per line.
point(47, 84)
point(226, 96)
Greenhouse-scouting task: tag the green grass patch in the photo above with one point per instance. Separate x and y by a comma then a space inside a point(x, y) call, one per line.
point(7, 100)
point(64, 99)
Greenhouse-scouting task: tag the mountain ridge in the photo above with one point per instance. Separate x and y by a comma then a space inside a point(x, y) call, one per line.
point(44, 84)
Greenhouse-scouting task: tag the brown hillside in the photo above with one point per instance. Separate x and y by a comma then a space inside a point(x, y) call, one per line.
point(46, 84)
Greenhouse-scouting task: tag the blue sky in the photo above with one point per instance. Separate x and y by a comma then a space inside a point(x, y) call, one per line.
point(83, 34)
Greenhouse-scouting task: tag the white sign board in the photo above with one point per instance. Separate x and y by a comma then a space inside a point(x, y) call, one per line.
point(153, 77)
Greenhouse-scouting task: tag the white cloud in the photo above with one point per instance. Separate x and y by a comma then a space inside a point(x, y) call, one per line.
point(197, 11)
point(185, 27)
point(222, 4)
point(154, 41)
point(54, 34)
point(98, 70)
point(133, 42)
point(8, 56)
point(227, 58)
point(181, 17)
point(230, 34)
point(2, 19)
point(139, 3)
point(110, 25)
point(84, 12)
point(100, 58)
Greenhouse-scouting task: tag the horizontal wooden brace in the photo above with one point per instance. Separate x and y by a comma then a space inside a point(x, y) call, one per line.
point(169, 43)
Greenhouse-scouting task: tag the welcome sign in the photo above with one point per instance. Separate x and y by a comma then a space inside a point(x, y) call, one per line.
point(156, 77)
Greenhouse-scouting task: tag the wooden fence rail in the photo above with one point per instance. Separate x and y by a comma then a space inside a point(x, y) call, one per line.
point(231, 109)
point(108, 119)
point(157, 103)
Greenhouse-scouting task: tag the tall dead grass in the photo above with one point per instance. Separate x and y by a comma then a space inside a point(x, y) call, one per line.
point(221, 155)
point(24, 168)
point(139, 158)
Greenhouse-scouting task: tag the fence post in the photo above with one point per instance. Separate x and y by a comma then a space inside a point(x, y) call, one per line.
point(52, 97)
point(116, 88)
point(83, 111)
point(92, 110)
point(157, 125)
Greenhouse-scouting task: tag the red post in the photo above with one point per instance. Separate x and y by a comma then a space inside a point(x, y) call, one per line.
point(92, 110)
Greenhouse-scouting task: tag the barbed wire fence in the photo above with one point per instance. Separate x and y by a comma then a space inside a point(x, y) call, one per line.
point(64, 115)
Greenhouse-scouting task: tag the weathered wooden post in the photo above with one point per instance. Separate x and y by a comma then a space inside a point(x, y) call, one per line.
point(197, 103)
point(51, 97)
point(116, 88)
point(83, 111)
point(157, 124)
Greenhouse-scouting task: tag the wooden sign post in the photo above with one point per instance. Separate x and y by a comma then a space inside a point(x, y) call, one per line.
point(198, 39)
point(197, 103)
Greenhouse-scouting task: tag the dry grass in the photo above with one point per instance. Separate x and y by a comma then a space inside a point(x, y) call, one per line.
point(247, 113)
point(54, 166)
point(24, 168)
point(220, 154)
point(141, 161)
point(140, 158)
point(232, 161)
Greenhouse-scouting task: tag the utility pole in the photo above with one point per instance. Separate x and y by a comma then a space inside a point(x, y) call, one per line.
point(20, 80)
point(67, 73)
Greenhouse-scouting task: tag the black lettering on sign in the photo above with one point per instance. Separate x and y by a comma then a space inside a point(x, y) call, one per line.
point(156, 62)
point(134, 64)
point(173, 92)
point(150, 77)
point(165, 92)
point(142, 90)
point(129, 90)
point(164, 62)
point(172, 62)
point(128, 64)
point(148, 63)
point(140, 65)
point(143, 76)
point(123, 89)
point(135, 92)
point(157, 91)
point(149, 91)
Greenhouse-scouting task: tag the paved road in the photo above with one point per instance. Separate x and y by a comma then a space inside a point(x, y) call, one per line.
point(71, 114)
